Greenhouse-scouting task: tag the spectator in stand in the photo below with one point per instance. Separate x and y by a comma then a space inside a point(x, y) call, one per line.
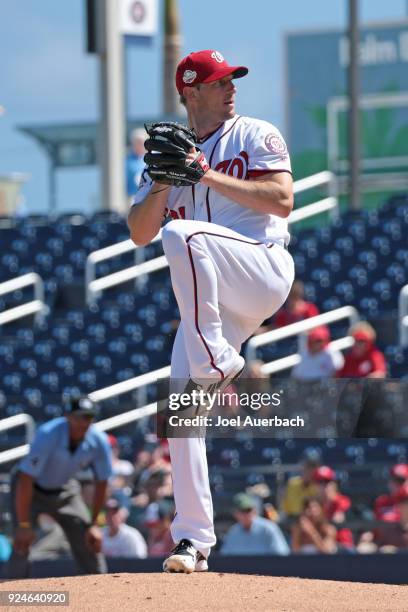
point(154, 457)
point(157, 487)
point(134, 160)
point(119, 539)
point(394, 536)
point(300, 487)
point(122, 470)
point(120, 467)
point(335, 505)
point(364, 360)
point(295, 309)
point(159, 517)
point(318, 360)
point(141, 466)
point(385, 507)
point(313, 533)
point(364, 399)
point(252, 534)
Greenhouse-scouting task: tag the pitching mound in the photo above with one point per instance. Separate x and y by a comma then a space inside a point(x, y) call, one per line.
point(212, 591)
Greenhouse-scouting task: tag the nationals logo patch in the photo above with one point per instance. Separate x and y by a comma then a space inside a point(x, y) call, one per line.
point(189, 76)
point(217, 56)
point(275, 145)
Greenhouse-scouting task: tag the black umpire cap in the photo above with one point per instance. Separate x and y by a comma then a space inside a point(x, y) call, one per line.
point(81, 406)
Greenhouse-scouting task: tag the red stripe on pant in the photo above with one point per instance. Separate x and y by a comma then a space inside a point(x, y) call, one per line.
point(190, 254)
point(196, 315)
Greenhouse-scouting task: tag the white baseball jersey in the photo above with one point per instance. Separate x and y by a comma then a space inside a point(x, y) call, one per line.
point(244, 148)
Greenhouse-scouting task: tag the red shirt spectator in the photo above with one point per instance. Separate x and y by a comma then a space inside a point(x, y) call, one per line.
point(364, 360)
point(302, 310)
point(335, 504)
point(295, 308)
point(394, 536)
point(338, 503)
point(385, 510)
point(385, 506)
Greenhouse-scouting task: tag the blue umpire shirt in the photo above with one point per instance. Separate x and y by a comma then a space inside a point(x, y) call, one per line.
point(51, 463)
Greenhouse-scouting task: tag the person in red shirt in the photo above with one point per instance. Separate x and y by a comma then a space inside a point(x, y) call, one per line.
point(391, 537)
point(363, 400)
point(295, 309)
point(335, 504)
point(385, 506)
point(364, 360)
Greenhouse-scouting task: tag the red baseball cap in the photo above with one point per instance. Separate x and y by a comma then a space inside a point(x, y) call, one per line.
point(400, 471)
point(319, 333)
point(324, 473)
point(112, 440)
point(205, 67)
point(402, 494)
point(360, 334)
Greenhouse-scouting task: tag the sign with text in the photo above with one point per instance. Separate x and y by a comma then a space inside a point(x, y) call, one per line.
point(317, 90)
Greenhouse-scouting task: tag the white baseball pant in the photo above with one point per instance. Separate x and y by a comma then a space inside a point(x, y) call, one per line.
point(226, 285)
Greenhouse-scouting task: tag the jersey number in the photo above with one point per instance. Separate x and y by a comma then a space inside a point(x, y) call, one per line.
point(180, 213)
point(237, 167)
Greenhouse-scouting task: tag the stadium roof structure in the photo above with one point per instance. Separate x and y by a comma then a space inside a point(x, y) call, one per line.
point(74, 145)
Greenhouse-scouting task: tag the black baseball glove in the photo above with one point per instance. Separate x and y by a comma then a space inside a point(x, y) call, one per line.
point(167, 148)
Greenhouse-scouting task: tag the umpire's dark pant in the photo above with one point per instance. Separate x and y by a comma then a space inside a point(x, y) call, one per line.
point(67, 507)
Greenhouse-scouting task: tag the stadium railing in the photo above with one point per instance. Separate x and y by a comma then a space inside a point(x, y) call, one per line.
point(403, 316)
point(298, 329)
point(36, 307)
point(94, 286)
point(17, 420)
point(130, 385)
point(277, 365)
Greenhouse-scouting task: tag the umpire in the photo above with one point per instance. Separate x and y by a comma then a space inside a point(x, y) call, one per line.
point(45, 482)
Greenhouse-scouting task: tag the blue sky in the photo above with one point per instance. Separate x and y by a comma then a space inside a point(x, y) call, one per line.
point(46, 76)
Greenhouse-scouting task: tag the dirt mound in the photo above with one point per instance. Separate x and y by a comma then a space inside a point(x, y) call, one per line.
point(212, 591)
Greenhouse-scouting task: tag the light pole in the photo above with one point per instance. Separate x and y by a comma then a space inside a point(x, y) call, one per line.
point(354, 113)
point(112, 133)
point(171, 57)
